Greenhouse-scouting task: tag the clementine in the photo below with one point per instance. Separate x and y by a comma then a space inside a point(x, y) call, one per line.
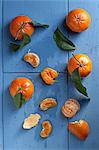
point(22, 85)
point(20, 25)
point(78, 20)
point(79, 128)
point(82, 62)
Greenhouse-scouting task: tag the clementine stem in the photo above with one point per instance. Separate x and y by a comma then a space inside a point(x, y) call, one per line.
point(81, 65)
point(21, 27)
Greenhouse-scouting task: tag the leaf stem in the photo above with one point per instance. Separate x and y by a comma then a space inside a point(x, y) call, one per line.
point(81, 65)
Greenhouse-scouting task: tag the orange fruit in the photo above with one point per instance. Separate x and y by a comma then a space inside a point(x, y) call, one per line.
point(46, 129)
point(78, 20)
point(17, 23)
point(49, 75)
point(79, 128)
point(32, 59)
point(47, 103)
point(82, 62)
point(31, 121)
point(22, 85)
point(70, 108)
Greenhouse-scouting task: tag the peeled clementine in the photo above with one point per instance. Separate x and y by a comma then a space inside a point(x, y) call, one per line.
point(22, 85)
point(21, 22)
point(49, 75)
point(78, 20)
point(46, 129)
point(82, 62)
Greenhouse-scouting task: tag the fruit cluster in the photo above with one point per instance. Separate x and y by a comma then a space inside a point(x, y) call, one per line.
point(80, 65)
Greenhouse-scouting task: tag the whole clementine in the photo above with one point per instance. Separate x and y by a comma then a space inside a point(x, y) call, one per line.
point(22, 85)
point(78, 20)
point(79, 128)
point(82, 62)
point(21, 22)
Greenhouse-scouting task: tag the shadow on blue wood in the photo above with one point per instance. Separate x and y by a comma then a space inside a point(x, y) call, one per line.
point(15, 138)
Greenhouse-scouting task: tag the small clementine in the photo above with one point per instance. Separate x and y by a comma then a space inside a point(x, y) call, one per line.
point(21, 22)
point(79, 128)
point(82, 62)
point(78, 20)
point(22, 85)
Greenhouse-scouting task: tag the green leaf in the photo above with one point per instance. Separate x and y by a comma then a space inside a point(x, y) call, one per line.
point(77, 82)
point(19, 100)
point(14, 46)
point(26, 40)
point(62, 41)
point(36, 24)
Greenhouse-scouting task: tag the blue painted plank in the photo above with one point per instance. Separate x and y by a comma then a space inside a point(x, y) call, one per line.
point(1, 80)
point(51, 12)
point(87, 43)
point(15, 138)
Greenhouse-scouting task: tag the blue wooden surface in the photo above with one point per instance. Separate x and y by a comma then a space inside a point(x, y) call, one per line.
point(49, 12)
point(1, 80)
point(52, 12)
point(87, 42)
point(14, 136)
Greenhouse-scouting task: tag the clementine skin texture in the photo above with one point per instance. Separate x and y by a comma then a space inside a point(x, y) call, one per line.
point(48, 75)
point(78, 20)
point(17, 22)
point(86, 65)
point(22, 85)
point(79, 128)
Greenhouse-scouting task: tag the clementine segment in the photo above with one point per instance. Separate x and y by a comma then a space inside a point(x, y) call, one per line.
point(22, 85)
point(82, 62)
point(17, 23)
point(47, 103)
point(70, 108)
point(78, 20)
point(32, 59)
point(31, 121)
point(48, 75)
point(46, 129)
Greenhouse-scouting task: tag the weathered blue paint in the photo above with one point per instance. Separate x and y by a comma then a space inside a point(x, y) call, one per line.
point(1, 80)
point(49, 12)
point(52, 12)
point(87, 43)
point(17, 138)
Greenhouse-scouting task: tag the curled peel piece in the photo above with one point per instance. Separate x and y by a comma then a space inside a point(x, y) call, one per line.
point(47, 103)
point(32, 59)
point(49, 75)
point(79, 128)
point(70, 108)
point(31, 121)
point(46, 129)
